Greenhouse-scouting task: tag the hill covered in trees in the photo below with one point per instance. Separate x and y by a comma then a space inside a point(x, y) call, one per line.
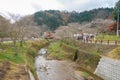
point(56, 18)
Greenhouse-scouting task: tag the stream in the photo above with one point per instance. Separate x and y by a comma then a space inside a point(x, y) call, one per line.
point(54, 69)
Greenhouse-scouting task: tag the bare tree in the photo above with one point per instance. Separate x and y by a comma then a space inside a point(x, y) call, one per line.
point(27, 28)
point(4, 24)
point(14, 35)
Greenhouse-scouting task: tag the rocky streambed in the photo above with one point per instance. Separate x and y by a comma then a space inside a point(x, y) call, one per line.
point(54, 69)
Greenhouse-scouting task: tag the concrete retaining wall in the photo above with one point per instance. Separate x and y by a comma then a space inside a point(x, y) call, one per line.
point(108, 69)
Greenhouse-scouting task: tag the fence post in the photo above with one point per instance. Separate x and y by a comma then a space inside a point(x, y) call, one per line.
point(95, 41)
point(115, 42)
point(101, 41)
point(87, 41)
point(108, 42)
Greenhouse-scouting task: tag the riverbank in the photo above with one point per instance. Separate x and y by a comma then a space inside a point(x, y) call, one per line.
point(12, 71)
point(19, 64)
point(55, 69)
point(16, 68)
point(86, 56)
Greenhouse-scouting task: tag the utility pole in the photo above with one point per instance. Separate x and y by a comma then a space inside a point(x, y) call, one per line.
point(117, 30)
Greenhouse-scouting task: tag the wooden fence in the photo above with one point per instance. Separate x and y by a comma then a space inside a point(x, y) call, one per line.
point(108, 42)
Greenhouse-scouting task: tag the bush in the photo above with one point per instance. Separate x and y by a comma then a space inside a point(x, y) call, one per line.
point(69, 48)
point(39, 44)
point(36, 45)
point(88, 59)
point(32, 51)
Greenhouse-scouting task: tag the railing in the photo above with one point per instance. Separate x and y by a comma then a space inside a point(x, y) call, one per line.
point(108, 42)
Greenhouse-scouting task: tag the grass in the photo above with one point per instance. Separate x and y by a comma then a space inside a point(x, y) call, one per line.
point(85, 74)
point(10, 57)
point(22, 57)
point(8, 53)
point(95, 49)
point(69, 47)
point(108, 37)
point(115, 53)
point(88, 54)
point(56, 52)
point(32, 53)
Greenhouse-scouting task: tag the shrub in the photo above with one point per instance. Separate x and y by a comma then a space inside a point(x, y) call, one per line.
point(32, 51)
point(39, 44)
point(36, 45)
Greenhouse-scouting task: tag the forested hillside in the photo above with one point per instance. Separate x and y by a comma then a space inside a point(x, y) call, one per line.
point(56, 18)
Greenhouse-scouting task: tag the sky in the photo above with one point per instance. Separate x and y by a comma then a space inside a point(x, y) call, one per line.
point(26, 7)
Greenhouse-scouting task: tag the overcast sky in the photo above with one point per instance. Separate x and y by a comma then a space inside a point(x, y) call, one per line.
point(25, 7)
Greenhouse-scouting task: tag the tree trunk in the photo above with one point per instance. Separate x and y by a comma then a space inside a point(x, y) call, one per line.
point(76, 55)
point(21, 43)
point(1, 42)
point(15, 47)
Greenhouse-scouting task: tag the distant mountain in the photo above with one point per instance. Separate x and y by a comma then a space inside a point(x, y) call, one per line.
point(10, 16)
point(56, 18)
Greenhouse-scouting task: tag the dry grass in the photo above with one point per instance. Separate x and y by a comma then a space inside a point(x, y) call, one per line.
point(16, 72)
point(115, 53)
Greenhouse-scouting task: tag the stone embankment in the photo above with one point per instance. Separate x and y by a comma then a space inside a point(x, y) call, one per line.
point(108, 69)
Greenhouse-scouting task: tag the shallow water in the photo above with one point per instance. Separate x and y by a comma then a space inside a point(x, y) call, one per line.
point(31, 76)
point(54, 70)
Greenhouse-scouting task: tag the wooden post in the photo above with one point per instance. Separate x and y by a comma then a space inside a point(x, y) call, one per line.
point(115, 42)
point(95, 41)
point(108, 42)
point(101, 41)
point(91, 41)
